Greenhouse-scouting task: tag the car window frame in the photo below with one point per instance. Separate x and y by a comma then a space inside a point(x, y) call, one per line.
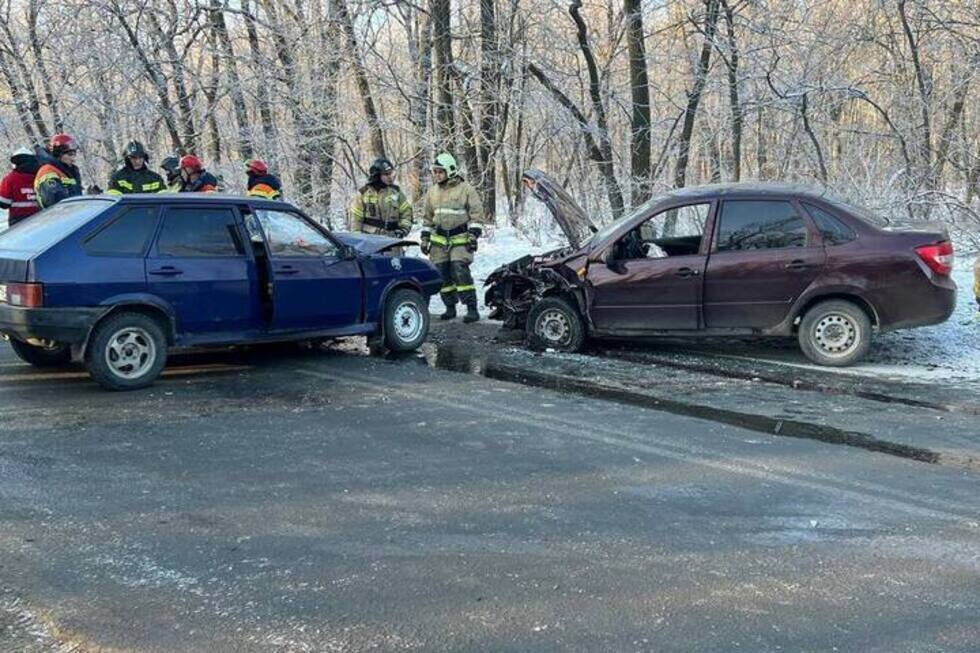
point(602, 253)
point(239, 229)
point(806, 203)
point(119, 214)
point(813, 237)
point(339, 245)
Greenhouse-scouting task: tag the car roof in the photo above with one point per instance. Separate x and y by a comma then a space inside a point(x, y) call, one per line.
point(187, 198)
point(741, 189)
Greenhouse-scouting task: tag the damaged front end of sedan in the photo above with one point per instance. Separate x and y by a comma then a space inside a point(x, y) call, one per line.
point(514, 288)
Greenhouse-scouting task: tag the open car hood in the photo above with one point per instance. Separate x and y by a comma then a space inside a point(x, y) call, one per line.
point(572, 219)
point(371, 244)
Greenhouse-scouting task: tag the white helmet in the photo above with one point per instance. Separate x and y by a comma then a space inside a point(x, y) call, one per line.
point(22, 153)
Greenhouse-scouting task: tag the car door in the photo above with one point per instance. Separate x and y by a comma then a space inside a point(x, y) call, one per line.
point(765, 254)
point(198, 265)
point(314, 287)
point(652, 276)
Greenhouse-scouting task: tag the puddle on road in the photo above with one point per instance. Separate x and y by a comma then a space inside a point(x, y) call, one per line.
point(458, 358)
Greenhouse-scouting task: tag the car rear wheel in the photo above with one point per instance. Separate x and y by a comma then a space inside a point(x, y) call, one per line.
point(553, 323)
point(56, 355)
point(406, 322)
point(127, 351)
point(836, 333)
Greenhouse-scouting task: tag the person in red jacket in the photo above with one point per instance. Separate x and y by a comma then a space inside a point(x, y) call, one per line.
point(17, 187)
point(196, 178)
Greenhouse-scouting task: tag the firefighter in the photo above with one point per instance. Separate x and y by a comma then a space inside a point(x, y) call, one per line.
point(171, 167)
point(57, 177)
point(380, 206)
point(450, 232)
point(17, 187)
point(260, 182)
point(135, 176)
point(195, 178)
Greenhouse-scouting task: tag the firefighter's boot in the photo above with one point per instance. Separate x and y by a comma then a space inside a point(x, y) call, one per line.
point(472, 314)
point(450, 313)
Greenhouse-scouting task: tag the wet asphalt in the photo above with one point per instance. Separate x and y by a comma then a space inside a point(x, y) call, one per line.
point(287, 500)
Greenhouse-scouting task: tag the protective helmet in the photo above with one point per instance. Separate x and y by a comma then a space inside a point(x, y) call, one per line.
point(135, 148)
point(62, 143)
point(256, 167)
point(22, 155)
point(447, 162)
point(192, 162)
point(171, 165)
point(380, 167)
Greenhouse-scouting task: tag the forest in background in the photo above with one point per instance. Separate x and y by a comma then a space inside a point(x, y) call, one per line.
point(875, 99)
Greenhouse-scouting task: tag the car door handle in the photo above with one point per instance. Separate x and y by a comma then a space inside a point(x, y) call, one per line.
point(687, 272)
point(287, 269)
point(167, 271)
point(798, 264)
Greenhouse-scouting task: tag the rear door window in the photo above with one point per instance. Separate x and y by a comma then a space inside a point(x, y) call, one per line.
point(759, 224)
point(833, 230)
point(44, 229)
point(197, 232)
point(127, 235)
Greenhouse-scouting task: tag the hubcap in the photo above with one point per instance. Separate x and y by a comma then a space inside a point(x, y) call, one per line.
point(836, 335)
point(554, 327)
point(131, 353)
point(408, 322)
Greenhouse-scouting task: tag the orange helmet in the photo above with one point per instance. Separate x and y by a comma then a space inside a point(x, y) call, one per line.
point(62, 143)
point(192, 162)
point(256, 167)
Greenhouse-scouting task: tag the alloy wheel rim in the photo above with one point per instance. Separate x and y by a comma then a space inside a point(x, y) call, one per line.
point(554, 327)
point(408, 321)
point(836, 335)
point(131, 353)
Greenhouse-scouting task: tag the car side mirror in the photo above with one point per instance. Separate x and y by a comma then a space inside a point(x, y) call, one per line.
point(348, 253)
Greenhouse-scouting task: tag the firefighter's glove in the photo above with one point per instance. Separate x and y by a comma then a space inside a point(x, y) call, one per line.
point(475, 233)
point(425, 245)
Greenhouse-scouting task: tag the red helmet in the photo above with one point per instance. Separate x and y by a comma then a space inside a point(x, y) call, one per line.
point(256, 167)
point(192, 162)
point(61, 143)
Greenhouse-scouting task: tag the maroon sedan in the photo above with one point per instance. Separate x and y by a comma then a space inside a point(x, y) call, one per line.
point(737, 259)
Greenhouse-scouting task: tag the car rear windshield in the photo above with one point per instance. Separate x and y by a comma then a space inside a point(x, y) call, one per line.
point(44, 229)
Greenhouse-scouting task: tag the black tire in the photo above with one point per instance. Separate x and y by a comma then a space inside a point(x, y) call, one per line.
point(57, 356)
point(554, 323)
point(406, 320)
point(835, 333)
point(127, 351)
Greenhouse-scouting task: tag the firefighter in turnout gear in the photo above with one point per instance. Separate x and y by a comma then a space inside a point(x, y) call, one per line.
point(380, 206)
point(450, 231)
point(58, 177)
point(17, 187)
point(260, 182)
point(171, 166)
point(135, 176)
point(195, 178)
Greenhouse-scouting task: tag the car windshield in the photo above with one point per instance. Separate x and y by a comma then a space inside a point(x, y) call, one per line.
point(611, 228)
point(44, 229)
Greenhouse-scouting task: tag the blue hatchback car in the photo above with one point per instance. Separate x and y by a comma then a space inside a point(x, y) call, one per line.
point(117, 281)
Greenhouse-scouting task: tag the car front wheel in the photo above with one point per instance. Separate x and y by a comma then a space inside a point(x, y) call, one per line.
point(553, 323)
point(127, 351)
point(406, 320)
point(56, 355)
point(836, 333)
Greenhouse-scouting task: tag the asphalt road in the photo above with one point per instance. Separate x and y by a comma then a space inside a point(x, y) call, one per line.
point(328, 501)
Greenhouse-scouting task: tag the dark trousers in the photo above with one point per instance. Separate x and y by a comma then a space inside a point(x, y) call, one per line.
point(457, 283)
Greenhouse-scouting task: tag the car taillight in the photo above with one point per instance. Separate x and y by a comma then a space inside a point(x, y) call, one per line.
point(938, 257)
point(28, 295)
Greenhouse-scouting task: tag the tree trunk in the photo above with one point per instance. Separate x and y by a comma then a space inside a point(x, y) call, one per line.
point(23, 114)
point(595, 93)
point(734, 101)
point(49, 96)
point(360, 76)
point(694, 96)
point(443, 59)
point(220, 29)
point(259, 63)
point(186, 111)
point(640, 150)
point(489, 106)
point(420, 47)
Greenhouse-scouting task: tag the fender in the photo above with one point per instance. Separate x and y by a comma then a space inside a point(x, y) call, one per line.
point(143, 299)
point(810, 296)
